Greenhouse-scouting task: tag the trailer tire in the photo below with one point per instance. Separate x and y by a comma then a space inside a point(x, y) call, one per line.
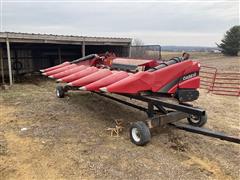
point(60, 92)
point(197, 121)
point(140, 133)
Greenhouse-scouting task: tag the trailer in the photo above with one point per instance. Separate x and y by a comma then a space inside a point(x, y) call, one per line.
point(166, 87)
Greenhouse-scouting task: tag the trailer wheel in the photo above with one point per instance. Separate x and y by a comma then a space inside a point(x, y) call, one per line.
point(140, 133)
point(197, 121)
point(60, 92)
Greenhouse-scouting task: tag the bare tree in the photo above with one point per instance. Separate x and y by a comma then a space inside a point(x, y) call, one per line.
point(137, 42)
point(137, 51)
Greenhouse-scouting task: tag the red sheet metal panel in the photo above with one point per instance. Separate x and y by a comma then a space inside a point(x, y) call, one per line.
point(55, 67)
point(153, 81)
point(79, 74)
point(101, 73)
point(117, 76)
point(68, 72)
point(61, 69)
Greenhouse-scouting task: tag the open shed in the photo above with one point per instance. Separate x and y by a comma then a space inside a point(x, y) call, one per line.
point(25, 53)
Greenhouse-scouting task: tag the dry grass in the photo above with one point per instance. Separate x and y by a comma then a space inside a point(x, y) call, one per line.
point(223, 63)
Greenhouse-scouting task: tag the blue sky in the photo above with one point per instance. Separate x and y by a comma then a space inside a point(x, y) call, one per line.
point(198, 23)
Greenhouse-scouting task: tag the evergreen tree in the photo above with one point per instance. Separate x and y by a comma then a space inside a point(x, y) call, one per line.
point(230, 44)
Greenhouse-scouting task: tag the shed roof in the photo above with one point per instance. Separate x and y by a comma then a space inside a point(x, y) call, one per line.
point(62, 39)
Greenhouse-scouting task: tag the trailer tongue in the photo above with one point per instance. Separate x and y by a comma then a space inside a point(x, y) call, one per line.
point(146, 80)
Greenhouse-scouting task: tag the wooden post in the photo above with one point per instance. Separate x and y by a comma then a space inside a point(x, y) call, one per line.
point(59, 55)
point(1, 61)
point(9, 63)
point(83, 48)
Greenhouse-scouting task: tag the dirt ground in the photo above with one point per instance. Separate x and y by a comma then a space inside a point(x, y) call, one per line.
point(43, 137)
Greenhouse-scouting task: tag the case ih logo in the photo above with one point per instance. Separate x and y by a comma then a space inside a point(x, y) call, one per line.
point(189, 76)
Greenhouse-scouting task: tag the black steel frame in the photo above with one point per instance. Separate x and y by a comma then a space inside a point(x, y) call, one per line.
point(158, 116)
point(166, 113)
point(171, 117)
point(206, 132)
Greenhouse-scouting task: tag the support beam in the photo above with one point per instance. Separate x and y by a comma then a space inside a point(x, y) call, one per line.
point(83, 49)
point(59, 55)
point(130, 51)
point(1, 62)
point(9, 62)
